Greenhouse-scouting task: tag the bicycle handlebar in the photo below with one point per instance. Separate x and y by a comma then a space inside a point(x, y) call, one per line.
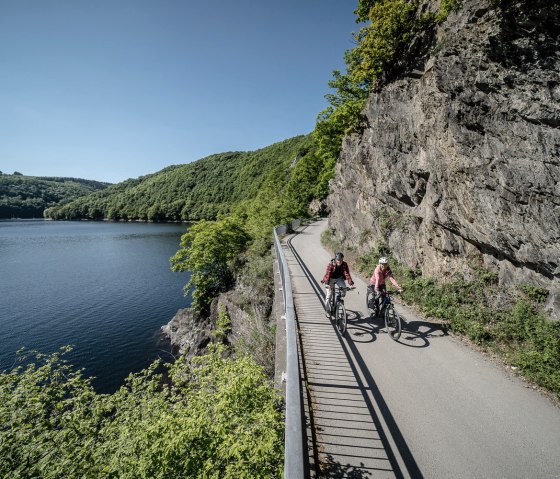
point(343, 288)
point(389, 292)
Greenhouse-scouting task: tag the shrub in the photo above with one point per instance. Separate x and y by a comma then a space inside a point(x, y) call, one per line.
point(214, 417)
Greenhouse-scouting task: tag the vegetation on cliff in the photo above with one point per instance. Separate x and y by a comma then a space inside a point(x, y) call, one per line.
point(28, 196)
point(382, 45)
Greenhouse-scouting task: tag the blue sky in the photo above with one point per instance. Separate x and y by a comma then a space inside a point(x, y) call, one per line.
point(110, 90)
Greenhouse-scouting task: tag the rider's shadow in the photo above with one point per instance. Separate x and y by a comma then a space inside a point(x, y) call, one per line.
point(429, 329)
point(415, 334)
point(363, 328)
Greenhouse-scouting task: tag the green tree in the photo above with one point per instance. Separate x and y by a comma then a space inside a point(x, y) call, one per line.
point(208, 250)
point(391, 24)
point(381, 43)
point(335, 122)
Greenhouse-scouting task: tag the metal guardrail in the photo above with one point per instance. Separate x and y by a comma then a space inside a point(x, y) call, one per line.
point(293, 437)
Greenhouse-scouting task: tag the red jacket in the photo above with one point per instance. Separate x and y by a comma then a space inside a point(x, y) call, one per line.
point(345, 272)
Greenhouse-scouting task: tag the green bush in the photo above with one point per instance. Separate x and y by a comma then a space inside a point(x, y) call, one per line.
point(535, 293)
point(207, 251)
point(213, 417)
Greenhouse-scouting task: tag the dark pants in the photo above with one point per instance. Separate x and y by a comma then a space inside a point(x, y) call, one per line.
point(377, 298)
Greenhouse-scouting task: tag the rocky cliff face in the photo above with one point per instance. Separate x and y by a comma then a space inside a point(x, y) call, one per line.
point(190, 333)
point(458, 167)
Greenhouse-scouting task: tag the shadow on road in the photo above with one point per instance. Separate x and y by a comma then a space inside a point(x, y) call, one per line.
point(415, 334)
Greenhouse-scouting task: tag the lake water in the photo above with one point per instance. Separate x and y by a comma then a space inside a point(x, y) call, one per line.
point(105, 288)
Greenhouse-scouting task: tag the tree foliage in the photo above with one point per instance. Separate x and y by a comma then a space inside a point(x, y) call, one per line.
point(28, 196)
point(212, 417)
point(207, 251)
point(391, 24)
point(204, 189)
point(388, 27)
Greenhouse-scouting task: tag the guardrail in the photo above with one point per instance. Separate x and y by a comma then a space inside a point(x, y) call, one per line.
point(293, 436)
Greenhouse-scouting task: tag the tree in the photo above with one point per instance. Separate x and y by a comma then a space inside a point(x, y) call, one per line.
point(208, 250)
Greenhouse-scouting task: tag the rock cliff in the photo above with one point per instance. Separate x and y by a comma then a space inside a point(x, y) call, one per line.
point(249, 330)
point(458, 165)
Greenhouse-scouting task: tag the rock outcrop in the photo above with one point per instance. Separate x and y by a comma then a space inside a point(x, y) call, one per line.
point(188, 332)
point(458, 167)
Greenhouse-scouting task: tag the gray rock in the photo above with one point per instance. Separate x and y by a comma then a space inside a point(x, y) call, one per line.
point(459, 168)
point(188, 332)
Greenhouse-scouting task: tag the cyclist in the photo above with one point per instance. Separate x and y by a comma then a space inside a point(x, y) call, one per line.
point(377, 281)
point(337, 272)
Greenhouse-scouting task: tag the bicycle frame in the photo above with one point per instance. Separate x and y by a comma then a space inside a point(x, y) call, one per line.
point(385, 308)
point(336, 307)
point(393, 324)
point(337, 295)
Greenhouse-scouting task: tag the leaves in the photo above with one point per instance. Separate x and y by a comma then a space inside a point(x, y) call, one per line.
point(205, 189)
point(219, 417)
point(207, 250)
point(28, 196)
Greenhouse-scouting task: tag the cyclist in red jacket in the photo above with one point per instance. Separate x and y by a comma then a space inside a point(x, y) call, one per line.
point(337, 272)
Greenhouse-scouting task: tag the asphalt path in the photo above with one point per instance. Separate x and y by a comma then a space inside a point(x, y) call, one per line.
point(426, 406)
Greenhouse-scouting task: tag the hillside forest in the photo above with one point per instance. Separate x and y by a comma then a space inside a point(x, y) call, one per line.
point(24, 196)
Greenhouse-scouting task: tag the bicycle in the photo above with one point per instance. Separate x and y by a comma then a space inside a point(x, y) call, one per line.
point(393, 321)
point(335, 308)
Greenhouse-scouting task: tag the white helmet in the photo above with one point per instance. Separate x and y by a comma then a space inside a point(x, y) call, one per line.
point(383, 260)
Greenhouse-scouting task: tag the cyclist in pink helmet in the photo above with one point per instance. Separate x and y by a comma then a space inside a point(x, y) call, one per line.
point(380, 275)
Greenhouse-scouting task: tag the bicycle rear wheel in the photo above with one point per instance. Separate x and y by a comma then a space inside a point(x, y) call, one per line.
point(370, 302)
point(392, 322)
point(341, 319)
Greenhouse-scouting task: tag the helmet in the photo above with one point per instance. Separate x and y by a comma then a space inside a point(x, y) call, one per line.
point(339, 256)
point(383, 260)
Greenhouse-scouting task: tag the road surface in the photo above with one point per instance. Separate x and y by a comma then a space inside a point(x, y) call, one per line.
point(426, 406)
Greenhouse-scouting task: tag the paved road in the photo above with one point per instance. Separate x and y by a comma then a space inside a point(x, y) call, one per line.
point(428, 406)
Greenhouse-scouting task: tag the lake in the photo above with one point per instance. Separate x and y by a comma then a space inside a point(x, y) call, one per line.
point(105, 288)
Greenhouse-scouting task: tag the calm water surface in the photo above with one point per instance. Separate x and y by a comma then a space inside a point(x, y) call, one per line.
point(105, 288)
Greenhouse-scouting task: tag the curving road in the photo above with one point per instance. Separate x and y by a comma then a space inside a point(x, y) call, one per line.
point(427, 406)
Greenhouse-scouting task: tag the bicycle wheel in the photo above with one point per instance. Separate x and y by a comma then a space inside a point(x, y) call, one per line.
point(341, 318)
point(392, 322)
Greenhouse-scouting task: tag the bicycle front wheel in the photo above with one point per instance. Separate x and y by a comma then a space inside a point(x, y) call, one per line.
point(392, 322)
point(341, 319)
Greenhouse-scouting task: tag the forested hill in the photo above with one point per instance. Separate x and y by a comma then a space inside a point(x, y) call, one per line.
point(28, 196)
point(199, 190)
